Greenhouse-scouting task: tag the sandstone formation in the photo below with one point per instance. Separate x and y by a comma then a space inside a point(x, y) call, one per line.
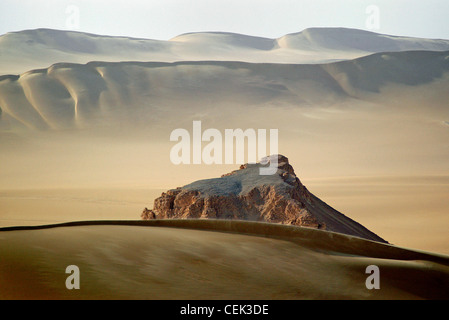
point(244, 194)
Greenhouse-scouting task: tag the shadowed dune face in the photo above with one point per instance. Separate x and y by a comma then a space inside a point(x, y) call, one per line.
point(194, 261)
point(32, 49)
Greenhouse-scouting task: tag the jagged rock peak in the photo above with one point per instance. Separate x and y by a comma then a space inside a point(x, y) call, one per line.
point(245, 194)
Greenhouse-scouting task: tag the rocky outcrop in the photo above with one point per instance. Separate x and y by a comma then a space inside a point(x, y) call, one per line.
point(244, 194)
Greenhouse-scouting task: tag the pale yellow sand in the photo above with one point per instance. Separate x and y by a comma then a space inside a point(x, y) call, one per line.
point(210, 260)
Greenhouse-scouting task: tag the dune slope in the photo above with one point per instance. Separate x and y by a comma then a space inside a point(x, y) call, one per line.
point(31, 49)
point(75, 95)
point(207, 259)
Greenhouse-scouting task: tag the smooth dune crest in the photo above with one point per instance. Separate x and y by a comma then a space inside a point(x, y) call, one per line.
point(33, 49)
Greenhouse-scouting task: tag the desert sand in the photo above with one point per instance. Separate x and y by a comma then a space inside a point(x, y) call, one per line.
point(207, 259)
point(85, 122)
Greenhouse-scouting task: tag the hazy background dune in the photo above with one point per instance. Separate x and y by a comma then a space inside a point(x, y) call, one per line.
point(22, 51)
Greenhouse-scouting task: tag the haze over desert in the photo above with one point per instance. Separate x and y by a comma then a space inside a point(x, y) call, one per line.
point(90, 126)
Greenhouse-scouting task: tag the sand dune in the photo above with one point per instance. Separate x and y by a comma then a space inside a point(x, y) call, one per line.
point(73, 95)
point(344, 39)
point(31, 49)
point(206, 259)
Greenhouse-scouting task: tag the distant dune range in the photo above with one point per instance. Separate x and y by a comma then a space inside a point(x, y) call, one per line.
point(209, 259)
point(148, 80)
point(72, 95)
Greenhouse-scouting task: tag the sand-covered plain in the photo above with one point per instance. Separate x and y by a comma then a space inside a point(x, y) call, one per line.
point(207, 259)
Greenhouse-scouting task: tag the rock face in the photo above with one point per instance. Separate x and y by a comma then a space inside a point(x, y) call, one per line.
point(244, 194)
